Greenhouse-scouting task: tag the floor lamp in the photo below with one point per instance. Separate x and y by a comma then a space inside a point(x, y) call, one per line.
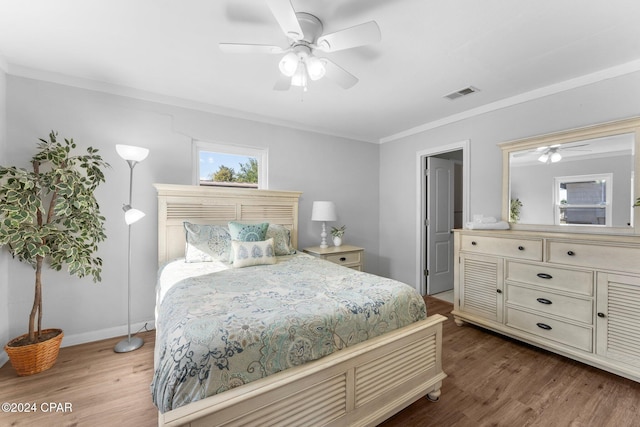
point(133, 155)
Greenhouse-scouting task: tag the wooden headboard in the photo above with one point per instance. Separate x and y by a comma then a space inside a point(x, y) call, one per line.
point(218, 205)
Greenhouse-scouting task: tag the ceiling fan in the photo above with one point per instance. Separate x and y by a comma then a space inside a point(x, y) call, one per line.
point(305, 33)
point(551, 153)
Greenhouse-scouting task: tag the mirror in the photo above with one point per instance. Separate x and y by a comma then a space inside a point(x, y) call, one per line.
point(581, 180)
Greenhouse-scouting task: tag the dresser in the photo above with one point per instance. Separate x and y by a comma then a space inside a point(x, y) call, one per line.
point(574, 294)
point(345, 255)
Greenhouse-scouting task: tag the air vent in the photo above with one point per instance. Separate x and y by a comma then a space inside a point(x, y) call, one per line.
point(462, 92)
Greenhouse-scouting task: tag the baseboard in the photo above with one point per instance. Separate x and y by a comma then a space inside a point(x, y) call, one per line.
point(103, 334)
point(4, 358)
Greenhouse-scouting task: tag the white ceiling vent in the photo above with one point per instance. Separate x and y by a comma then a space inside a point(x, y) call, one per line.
point(462, 92)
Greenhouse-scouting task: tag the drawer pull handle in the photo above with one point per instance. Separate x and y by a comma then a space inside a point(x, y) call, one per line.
point(544, 276)
point(543, 301)
point(342, 259)
point(499, 291)
point(521, 248)
point(601, 315)
point(571, 253)
point(473, 243)
point(544, 326)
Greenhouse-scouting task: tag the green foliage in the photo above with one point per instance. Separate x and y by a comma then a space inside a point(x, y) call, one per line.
point(248, 171)
point(514, 210)
point(338, 232)
point(51, 213)
point(224, 174)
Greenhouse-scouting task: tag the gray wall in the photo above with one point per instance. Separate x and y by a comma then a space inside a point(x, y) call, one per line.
point(4, 257)
point(611, 99)
point(374, 187)
point(322, 167)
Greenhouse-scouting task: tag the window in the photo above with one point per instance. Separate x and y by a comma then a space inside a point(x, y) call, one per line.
point(228, 165)
point(584, 199)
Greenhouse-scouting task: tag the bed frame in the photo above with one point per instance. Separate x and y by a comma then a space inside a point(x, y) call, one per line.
point(361, 385)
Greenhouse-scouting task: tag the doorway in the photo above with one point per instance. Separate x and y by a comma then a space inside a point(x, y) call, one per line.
point(443, 200)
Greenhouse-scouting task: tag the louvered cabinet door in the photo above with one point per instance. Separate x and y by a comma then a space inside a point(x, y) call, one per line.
point(481, 282)
point(618, 318)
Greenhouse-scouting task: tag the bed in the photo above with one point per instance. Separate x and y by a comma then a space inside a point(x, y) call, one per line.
point(359, 384)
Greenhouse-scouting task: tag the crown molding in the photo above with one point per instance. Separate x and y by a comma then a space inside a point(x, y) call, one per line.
point(26, 72)
point(98, 86)
point(587, 79)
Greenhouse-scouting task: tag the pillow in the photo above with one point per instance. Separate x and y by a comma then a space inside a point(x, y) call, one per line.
point(281, 239)
point(248, 232)
point(206, 243)
point(253, 253)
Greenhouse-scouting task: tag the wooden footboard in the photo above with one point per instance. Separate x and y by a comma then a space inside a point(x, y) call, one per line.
point(358, 386)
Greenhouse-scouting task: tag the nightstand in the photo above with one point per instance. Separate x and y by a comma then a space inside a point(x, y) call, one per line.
point(345, 255)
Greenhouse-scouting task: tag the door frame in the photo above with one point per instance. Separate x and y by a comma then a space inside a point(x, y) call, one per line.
point(421, 238)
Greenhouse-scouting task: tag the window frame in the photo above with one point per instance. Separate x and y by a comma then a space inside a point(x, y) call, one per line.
point(607, 177)
point(261, 154)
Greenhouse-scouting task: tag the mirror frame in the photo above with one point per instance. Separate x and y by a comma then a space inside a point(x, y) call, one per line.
point(631, 125)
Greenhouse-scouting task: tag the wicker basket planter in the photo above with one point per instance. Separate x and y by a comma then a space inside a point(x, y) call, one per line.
point(33, 358)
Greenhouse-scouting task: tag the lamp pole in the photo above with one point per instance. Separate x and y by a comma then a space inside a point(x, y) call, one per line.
point(131, 215)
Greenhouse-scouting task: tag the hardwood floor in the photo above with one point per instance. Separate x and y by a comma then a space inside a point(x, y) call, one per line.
point(493, 381)
point(496, 381)
point(104, 388)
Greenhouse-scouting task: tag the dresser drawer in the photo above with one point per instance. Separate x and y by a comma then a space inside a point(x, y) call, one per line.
point(595, 256)
point(540, 300)
point(576, 281)
point(529, 249)
point(345, 258)
point(551, 329)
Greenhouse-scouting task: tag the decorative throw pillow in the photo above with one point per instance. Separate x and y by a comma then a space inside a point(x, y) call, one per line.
point(206, 243)
point(248, 232)
point(253, 253)
point(281, 239)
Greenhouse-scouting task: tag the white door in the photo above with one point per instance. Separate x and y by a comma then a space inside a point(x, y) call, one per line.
point(440, 194)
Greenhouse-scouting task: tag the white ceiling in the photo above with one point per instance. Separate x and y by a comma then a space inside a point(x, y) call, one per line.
point(429, 48)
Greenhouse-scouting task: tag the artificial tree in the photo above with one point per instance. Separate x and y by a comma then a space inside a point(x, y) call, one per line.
point(51, 214)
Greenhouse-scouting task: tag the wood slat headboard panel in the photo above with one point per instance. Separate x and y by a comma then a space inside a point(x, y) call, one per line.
point(218, 205)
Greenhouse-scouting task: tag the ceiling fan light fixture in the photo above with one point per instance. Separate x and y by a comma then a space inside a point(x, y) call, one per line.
point(544, 158)
point(300, 77)
point(289, 64)
point(555, 157)
point(315, 68)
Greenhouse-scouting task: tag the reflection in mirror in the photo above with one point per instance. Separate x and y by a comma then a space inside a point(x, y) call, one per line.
point(581, 183)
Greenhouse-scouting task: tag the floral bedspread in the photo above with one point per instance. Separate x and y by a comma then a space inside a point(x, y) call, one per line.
point(219, 330)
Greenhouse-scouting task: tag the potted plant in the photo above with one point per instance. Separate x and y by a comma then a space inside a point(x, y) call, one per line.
point(514, 210)
point(337, 234)
point(50, 215)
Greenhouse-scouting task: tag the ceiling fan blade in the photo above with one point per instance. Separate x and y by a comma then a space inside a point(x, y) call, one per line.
point(286, 17)
point(362, 34)
point(283, 83)
point(338, 74)
point(249, 48)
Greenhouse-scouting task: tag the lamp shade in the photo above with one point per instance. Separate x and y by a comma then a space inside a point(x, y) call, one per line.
point(131, 152)
point(323, 211)
point(315, 68)
point(289, 64)
point(132, 215)
point(300, 77)
point(555, 157)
